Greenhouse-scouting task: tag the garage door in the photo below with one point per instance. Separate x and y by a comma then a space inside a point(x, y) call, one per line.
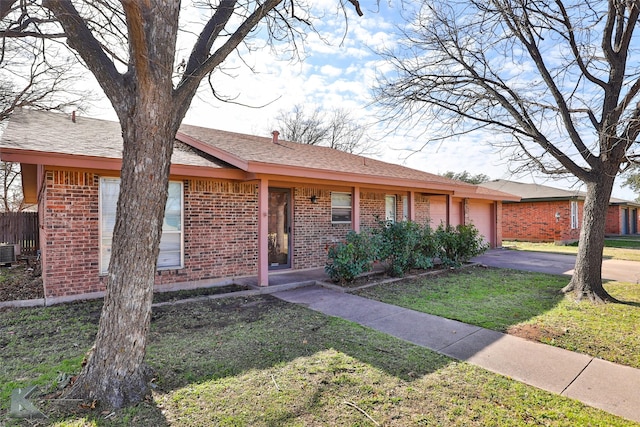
point(481, 214)
point(437, 210)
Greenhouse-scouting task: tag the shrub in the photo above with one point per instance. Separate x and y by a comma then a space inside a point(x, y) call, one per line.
point(353, 257)
point(405, 245)
point(402, 246)
point(459, 244)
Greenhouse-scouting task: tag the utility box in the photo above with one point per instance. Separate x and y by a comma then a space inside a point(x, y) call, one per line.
point(7, 253)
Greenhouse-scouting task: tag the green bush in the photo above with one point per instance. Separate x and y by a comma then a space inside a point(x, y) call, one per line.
point(404, 246)
point(353, 257)
point(459, 244)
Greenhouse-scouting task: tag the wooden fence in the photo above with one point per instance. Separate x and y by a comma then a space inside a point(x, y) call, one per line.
point(20, 228)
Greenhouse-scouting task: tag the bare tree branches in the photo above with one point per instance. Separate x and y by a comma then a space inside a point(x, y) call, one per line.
point(335, 129)
point(532, 72)
point(470, 64)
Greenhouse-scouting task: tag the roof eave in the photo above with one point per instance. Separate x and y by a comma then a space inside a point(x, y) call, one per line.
point(75, 161)
point(223, 155)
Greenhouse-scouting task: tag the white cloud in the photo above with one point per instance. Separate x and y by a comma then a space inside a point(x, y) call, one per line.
point(338, 74)
point(331, 71)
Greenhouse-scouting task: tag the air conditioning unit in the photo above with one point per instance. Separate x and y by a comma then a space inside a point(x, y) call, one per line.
point(7, 253)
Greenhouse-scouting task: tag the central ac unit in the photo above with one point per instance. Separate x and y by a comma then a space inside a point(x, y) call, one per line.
point(7, 254)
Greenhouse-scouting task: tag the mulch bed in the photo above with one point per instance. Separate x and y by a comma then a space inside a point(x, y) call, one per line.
point(20, 281)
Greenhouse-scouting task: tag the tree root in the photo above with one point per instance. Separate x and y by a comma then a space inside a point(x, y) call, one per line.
point(593, 296)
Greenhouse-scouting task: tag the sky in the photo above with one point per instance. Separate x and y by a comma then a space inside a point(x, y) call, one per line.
point(337, 70)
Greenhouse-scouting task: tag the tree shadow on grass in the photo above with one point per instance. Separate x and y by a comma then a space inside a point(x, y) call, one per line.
point(618, 299)
point(200, 341)
point(222, 338)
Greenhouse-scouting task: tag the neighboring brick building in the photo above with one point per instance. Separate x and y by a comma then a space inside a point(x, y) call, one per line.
point(238, 205)
point(547, 214)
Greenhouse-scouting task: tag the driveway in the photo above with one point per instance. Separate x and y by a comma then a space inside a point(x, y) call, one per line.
point(544, 262)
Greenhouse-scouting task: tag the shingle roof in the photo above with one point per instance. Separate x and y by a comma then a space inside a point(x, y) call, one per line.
point(263, 150)
point(50, 132)
point(533, 192)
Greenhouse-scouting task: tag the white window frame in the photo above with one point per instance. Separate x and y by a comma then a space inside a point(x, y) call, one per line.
point(390, 214)
point(106, 235)
point(342, 206)
point(574, 215)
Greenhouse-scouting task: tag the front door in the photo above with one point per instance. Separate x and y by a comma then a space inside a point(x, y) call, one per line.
point(279, 228)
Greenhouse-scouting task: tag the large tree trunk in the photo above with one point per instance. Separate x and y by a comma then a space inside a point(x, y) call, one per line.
point(586, 282)
point(115, 373)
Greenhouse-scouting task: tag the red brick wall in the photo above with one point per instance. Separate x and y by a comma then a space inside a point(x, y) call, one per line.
point(422, 210)
point(70, 228)
point(372, 209)
point(614, 220)
point(220, 230)
point(313, 231)
point(535, 221)
point(220, 237)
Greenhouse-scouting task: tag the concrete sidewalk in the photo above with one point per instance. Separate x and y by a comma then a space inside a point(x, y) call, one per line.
point(613, 388)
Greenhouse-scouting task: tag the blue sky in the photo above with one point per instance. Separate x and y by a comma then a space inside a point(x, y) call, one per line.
point(338, 71)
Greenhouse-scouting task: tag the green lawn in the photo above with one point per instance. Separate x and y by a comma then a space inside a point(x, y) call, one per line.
point(623, 248)
point(259, 361)
point(529, 305)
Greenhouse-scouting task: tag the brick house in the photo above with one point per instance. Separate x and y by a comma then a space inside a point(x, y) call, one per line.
point(547, 214)
point(238, 205)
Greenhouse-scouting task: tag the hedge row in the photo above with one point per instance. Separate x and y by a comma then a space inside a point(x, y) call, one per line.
point(401, 247)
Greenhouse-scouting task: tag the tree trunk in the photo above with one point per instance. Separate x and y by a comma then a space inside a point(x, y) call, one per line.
point(115, 373)
point(586, 282)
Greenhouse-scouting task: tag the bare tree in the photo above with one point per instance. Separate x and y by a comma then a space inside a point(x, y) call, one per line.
point(465, 176)
point(632, 179)
point(336, 129)
point(130, 47)
point(555, 83)
point(32, 77)
point(11, 194)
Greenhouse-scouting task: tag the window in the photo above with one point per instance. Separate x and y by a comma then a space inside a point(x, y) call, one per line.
point(405, 208)
point(341, 208)
point(574, 215)
point(171, 242)
point(390, 209)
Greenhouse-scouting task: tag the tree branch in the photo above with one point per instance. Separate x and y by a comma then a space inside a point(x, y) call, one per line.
point(82, 40)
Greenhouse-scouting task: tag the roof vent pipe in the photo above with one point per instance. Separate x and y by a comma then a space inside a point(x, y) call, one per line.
point(275, 134)
point(73, 116)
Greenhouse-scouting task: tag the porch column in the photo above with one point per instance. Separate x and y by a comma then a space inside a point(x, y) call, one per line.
point(355, 209)
point(449, 201)
point(263, 232)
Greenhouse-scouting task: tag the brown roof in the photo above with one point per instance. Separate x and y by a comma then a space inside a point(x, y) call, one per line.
point(55, 133)
point(536, 192)
point(261, 150)
point(52, 132)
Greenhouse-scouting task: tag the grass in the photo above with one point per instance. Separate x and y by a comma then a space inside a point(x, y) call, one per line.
point(622, 248)
point(258, 361)
point(529, 305)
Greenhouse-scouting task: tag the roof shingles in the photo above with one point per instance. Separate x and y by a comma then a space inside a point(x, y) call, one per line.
point(48, 132)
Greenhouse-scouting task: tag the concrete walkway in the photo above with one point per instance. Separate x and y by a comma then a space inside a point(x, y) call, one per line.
point(613, 388)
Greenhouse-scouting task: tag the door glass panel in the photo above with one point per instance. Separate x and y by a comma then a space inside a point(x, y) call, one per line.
point(390, 207)
point(279, 228)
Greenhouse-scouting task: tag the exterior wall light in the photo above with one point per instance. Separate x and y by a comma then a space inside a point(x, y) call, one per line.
point(314, 199)
point(557, 216)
